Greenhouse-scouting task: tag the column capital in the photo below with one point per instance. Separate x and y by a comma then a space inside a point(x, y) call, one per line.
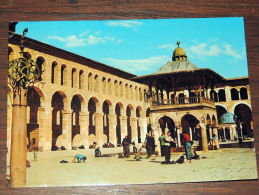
point(111, 115)
point(97, 114)
point(84, 113)
point(41, 109)
point(123, 117)
point(66, 111)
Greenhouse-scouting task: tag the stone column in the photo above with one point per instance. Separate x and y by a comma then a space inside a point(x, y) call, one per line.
point(112, 129)
point(67, 128)
point(155, 133)
point(98, 117)
point(143, 128)
point(228, 94)
point(178, 137)
point(123, 121)
point(210, 129)
point(190, 130)
point(134, 129)
point(18, 140)
point(84, 126)
point(41, 121)
point(224, 133)
point(204, 138)
point(48, 129)
point(215, 131)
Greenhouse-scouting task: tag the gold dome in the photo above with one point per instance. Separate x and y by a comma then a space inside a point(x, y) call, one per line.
point(179, 53)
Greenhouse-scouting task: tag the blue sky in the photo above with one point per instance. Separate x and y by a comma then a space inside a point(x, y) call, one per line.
point(142, 46)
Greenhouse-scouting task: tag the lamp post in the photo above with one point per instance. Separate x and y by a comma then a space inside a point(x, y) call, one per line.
point(22, 73)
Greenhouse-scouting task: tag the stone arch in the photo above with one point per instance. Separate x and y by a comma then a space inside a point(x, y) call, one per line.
point(243, 93)
point(119, 109)
point(27, 55)
point(189, 124)
point(136, 93)
point(81, 79)
point(139, 115)
point(104, 85)
point(93, 103)
point(58, 104)
point(121, 89)
point(131, 92)
point(109, 86)
point(90, 82)
point(126, 90)
point(63, 74)
point(10, 54)
point(220, 111)
point(181, 99)
point(234, 94)
point(106, 109)
point(222, 95)
point(140, 95)
point(129, 113)
point(35, 99)
point(77, 104)
point(244, 114)
point(116, 88)
point(54, 72)
point(96, 83)
point(40, 61)
point(74, 78)
point(166, 123)
point(213, 95)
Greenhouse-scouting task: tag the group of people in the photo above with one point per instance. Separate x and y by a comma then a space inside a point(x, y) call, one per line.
point(166, 141)
point(149, 144)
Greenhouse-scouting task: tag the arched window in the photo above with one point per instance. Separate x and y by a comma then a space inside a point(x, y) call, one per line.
point(234, 94)
point(121, 89)
point(243, 93)
point(10, 54)
point(116, 88)
point(104, 85)
point(109, 87)
point(40, 62)
point(54, 67)
point(90, 82)
point(222, 95)
point(136, 93)
point(140, 95)
point(96, 83)
point(63, 74)
point(81, 80)
point(126, 91)
point(74, 78)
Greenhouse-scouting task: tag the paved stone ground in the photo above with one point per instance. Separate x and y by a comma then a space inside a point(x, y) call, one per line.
point(224, 164)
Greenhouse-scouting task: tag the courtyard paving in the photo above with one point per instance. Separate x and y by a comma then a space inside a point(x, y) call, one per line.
point(223, 164)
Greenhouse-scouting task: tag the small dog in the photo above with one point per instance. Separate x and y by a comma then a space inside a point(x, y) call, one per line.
point(180, 160)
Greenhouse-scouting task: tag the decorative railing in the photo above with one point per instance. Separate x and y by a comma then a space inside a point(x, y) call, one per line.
point(185, 100)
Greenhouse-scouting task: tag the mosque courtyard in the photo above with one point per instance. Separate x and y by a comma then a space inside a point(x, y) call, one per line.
point(223, 164)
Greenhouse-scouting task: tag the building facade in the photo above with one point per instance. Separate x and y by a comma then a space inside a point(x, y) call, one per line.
point(81, 101)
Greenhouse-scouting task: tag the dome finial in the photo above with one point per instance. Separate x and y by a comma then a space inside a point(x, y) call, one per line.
point(178, 43)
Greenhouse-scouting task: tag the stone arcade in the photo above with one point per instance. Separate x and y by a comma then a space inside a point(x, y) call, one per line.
point(83, 101)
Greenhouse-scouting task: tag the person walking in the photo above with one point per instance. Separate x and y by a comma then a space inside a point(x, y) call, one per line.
point(162, 143)
point(188, 146)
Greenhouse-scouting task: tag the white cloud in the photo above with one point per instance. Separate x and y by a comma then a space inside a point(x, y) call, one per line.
point(70, 41)
point(93, 40)
point(216, 49)
point(125, 23)
point(136, 65)
point(79, 41)
point(168, 46)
